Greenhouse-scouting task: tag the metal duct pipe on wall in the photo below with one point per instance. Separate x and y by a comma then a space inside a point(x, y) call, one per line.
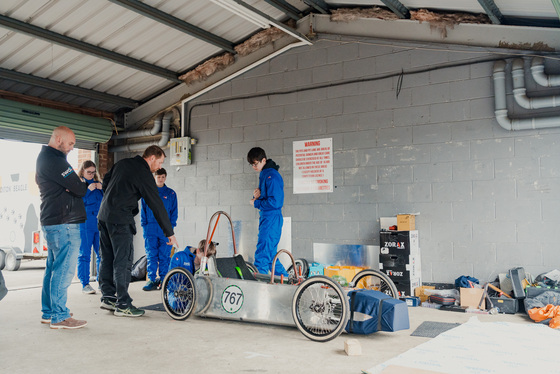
point(537, 70)
point(166, 120)
point(140, 133)
point(501, 111)
point(520, 92)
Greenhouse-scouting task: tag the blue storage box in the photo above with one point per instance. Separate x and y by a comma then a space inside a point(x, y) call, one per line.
point(372, 311)
point(316, 268)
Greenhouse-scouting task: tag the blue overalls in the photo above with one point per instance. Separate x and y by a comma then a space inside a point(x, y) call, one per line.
point(89, 233)
point(155, 241)
point(271, 221)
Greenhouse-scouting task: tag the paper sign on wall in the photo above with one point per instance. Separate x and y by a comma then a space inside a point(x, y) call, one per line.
point(313, 166)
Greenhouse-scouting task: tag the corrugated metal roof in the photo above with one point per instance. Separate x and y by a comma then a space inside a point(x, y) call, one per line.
point(33, 65)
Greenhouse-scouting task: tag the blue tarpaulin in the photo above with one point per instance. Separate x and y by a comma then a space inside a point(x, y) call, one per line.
point(365, 317)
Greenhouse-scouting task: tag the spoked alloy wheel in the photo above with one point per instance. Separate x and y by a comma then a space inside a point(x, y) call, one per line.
point(178, 293)
point(320, 308)
point(370, 279)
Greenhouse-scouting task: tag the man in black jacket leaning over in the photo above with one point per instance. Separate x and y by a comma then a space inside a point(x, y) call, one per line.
point(62, 211)
point(128, 180)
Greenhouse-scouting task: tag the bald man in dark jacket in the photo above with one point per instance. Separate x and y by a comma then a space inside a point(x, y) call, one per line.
point(62, 212)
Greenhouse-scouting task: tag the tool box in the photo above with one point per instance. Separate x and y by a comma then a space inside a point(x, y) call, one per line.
point(505, 304)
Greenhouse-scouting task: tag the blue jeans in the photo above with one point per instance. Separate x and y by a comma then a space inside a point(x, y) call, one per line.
point(63, 243)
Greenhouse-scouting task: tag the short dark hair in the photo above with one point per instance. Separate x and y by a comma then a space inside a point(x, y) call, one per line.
point(161, 171)
point(153, 150)
point(255, 154)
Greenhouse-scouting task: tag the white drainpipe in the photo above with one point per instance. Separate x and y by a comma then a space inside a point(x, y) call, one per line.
point(165, 121)
point(520, 92)
point(537, 69)
point(140, 133)
point(501, 111)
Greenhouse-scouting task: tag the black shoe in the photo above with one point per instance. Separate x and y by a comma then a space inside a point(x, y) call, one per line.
point(108, 305)
point(131, 311)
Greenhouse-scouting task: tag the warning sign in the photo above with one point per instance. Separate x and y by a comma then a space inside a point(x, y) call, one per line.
point(313, 168)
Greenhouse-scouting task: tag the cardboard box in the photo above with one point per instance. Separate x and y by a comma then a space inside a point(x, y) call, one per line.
point(470, 297)
point(386, 222)
point(419, 291)
point(406, 222)
point(404, 272)
point(406, 287)
point(399, 242)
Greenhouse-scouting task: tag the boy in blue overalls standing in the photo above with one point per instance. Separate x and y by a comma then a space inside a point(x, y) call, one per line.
point(268, 198)
point(158, 253)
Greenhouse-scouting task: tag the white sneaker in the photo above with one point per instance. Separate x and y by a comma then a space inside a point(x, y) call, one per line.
point(88, 289)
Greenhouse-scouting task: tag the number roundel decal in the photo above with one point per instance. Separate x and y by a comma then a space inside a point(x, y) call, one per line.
point(232, 299)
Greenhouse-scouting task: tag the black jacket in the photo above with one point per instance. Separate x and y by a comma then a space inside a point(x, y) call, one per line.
point(128, 181)
point(61, 189)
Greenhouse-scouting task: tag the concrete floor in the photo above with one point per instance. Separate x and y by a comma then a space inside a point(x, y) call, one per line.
point(157, 343)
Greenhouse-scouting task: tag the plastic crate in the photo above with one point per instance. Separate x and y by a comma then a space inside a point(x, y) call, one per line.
point(316, 268)
point(345, 272)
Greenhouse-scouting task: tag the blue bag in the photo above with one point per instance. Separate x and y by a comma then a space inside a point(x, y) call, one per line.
point(372, 311)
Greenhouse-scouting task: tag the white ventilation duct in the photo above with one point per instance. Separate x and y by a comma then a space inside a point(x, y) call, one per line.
point(165, 122)
point(537, 70)
point(501, 111)
point(141, 133)
point(520, 92)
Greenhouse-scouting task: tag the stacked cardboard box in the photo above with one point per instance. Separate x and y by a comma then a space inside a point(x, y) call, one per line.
point(399, 258)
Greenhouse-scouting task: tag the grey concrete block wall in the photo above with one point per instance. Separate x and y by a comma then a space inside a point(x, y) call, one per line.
point(429, 144)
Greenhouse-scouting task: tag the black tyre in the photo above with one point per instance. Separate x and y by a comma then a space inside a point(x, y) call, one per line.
point(370, 279)
point(178, 293)
point(12, 263)
point(300, 263)
point(320, 308)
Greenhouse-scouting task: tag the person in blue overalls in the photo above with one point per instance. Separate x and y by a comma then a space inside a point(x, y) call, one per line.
point(158, 253)
point(268, 198)
point(89, 232)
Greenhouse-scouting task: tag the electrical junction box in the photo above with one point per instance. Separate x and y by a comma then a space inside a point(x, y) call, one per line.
point(180, 151)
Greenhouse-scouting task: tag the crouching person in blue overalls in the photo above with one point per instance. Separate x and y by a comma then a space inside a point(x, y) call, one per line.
point(190, 258)
point(158, 253)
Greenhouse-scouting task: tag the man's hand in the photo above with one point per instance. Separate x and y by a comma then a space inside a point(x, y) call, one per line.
point(256, 193)
point(173, 241)
point(252, 202)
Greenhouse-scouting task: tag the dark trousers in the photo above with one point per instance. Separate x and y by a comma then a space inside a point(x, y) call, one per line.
point(116, 261)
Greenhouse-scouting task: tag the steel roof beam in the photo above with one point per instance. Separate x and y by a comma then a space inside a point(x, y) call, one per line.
point(492, 11)
point(398, 8)
point(318, 5)
point(66, 88)
point(290, 10)
point(91, 49)
point(176, 23)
